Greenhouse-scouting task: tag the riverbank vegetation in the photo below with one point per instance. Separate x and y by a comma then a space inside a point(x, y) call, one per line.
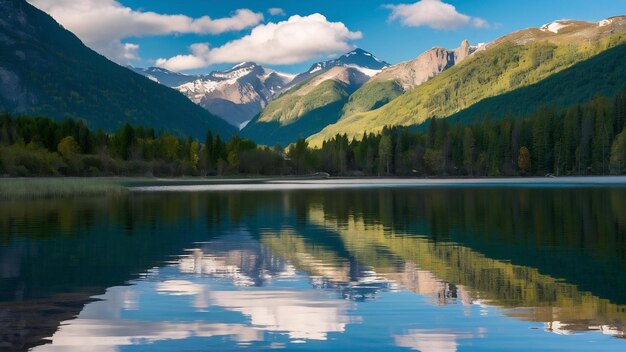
point(33, 188)
point(586, 139)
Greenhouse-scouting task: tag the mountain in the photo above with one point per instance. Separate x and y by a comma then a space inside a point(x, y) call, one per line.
point(165, 77)
point(314, 99)
point(235, 95)
point(358, 59)
point(397, 79)
point(46, 70)
point(515, 61)
point(601, 75)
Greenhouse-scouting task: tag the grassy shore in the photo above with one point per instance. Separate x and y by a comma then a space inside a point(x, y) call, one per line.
point(42, 188)
point(65, 187)
point(37, 188)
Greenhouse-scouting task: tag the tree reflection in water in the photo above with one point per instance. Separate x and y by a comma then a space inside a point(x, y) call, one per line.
point(549, 255)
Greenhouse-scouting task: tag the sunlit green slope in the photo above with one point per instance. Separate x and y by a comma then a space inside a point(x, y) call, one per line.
point(512, 62)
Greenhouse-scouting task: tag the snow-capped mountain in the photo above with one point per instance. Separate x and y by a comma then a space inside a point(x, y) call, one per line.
point(239, 94)
point(358, 59)
point(393, 81)
point(314, 99)
point(235, 95)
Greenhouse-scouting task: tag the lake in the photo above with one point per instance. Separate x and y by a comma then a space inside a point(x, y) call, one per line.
point(363, 266)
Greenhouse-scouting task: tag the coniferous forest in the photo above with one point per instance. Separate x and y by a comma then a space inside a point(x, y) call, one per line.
point(586, 139)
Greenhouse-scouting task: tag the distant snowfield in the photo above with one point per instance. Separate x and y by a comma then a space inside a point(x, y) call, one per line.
point(291, 184)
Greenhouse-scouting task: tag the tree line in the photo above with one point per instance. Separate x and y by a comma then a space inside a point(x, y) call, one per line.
point(586, 139)
point(39, 146)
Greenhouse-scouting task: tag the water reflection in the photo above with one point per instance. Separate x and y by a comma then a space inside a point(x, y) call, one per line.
point(420, 269)
point(303, 315)
point(430, 341)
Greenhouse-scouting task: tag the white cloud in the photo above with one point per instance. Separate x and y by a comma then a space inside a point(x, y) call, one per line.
point(295, 40)
point(103, 24)
point(197, 59)
point(276, 11)
point(480, 23)
point(433, 13)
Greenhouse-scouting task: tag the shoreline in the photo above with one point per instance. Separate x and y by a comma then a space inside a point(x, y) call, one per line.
point(65, 187)
point(357, 183)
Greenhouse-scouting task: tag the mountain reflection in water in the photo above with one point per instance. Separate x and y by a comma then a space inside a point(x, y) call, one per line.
point(424, 269)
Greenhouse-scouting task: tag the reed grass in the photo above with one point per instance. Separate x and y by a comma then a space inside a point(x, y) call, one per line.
point(37, 188)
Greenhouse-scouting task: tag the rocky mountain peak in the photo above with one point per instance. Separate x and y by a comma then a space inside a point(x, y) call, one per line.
point(245, 64)
point(359, 57)
point(462, 52)
point(426, 66)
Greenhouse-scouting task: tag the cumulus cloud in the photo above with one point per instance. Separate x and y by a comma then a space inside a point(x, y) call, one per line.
point(103, 24)
point(433, 13)
point(298, 39)
point(276, 11)
point(198, 58)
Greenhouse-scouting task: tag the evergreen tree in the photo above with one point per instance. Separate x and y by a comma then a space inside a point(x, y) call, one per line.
point(523, 161)
point(208, 150)
point(385, 152)
point(468, 150)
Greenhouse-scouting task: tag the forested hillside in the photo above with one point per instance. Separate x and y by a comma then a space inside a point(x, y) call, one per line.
point(601, 75)
point(505, 66)
point(294, 115)
point(586, 139)
point(46, 70)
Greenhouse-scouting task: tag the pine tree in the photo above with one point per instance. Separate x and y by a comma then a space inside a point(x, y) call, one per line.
point(469, 150)
point(523, 161)
point(208, 150)
point(385, 152)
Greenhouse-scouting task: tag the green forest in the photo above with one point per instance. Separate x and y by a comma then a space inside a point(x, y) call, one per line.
point(585, 139)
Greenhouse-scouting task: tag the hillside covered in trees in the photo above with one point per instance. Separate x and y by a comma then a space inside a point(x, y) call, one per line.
point(46, 70)
point(586, 139)
point(505, 71)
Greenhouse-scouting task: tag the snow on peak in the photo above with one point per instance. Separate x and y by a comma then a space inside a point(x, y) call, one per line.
point(555, 26)
point(605, 22)
point(318, 67)
point(357, 58)
point(477, 47)
point(360, 58)
point(358, 51)
point(287, 76)
point(243, 64)
point(375, 58)
point(236, 72)
point(197, 89)
point(366, 71)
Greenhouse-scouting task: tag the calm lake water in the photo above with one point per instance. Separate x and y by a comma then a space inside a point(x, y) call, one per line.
point(433, 269)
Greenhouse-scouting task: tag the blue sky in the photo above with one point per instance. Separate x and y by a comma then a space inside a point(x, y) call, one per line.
point(141, 32)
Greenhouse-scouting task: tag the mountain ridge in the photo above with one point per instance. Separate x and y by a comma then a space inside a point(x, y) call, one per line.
point(47, 70)
point(357, 57)
point(240, 98)
point(513, 61)
point(314, 99)
point(236, 95)
point(394, 80)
